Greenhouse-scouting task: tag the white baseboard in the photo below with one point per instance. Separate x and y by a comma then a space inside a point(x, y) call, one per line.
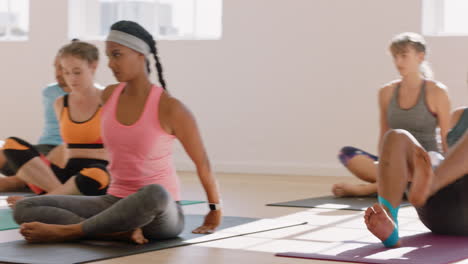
point(276, 168)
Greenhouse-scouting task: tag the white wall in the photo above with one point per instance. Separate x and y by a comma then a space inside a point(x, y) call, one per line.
point(287, 86)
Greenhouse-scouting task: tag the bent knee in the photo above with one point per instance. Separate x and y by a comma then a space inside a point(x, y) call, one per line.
point(346, 153)
point(155, 194)
point(18, 152)
point(20, 213)
point(93, 180)
point(395, 136)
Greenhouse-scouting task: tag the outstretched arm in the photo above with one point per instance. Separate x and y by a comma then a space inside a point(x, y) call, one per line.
point(186, 130)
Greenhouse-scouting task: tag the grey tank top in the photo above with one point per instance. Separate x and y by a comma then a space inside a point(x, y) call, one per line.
point(458, 130)
point(417, 120)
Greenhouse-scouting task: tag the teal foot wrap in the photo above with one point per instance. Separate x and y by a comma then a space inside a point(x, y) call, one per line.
point(392, 240)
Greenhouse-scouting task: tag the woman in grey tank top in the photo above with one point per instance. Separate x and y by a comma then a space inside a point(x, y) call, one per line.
point(414, 103)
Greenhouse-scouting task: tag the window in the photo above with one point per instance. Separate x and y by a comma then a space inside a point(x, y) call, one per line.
point(445, 17)
point(14, 19)
point(165, 19)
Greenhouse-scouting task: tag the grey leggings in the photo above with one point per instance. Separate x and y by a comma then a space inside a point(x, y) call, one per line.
point(151, 208)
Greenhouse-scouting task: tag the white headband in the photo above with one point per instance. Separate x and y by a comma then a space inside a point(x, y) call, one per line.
point(129, 41)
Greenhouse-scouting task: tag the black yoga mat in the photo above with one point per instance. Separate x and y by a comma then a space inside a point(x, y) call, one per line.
point(85, 251)
point(332, 202)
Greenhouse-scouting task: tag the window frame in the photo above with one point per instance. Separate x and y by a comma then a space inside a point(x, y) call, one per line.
point(13, 38)
point(80, 9)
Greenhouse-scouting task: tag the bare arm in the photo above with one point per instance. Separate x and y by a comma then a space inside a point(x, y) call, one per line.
point(58, 107)
point(384, 95)
point(443, 115)
point(184, 127)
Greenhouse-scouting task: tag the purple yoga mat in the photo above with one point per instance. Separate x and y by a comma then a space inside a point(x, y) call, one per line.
point(424, 248)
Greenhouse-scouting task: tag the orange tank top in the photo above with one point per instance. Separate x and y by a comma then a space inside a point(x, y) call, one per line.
point(85, 134)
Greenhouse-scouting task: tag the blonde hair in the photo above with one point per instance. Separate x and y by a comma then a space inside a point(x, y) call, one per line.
point(80, 49)
point(402, 41)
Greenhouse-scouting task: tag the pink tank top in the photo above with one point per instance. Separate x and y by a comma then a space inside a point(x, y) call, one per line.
point(141, 153)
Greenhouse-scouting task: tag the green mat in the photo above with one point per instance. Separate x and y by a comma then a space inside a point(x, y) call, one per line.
point(188, 202)
point(7, 222)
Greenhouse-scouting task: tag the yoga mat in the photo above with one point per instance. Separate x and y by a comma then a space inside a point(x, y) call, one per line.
point(7, 222)
point(332, 202)
point(188, 202)
point(79, 252)
point(425, 248)
point(6, 194)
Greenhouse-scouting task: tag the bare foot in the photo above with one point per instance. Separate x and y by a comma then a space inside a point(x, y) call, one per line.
point(35, 232)
point(347, 189)
point(422, 178)
point(137, 237)
point(379, 223)
point(12, 200)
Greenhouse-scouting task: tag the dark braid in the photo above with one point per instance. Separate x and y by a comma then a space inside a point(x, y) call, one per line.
point(138, 31)
point(158, 64)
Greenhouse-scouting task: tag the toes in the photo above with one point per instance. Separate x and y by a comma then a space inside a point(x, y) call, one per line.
point(369, 211)
point(338, 189)
point(28, 226)
point(377, 208)
point(24, 233)
point(143, 241)
point(25, 226)
point(140, 240)
point(337, 186)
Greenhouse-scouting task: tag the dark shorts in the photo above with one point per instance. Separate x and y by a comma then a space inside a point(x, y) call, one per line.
point(74, 166)
point(446, 212)
point(44, 149)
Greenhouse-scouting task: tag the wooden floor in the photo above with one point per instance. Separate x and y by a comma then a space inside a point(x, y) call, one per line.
point(243, 195)
point(246, 195)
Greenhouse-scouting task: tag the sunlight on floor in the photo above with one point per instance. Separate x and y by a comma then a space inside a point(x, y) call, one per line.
point(328, 232)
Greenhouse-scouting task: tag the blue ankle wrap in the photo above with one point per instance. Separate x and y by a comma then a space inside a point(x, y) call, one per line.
point(392, 240)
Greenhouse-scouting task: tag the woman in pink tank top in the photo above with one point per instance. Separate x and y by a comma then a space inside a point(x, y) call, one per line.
point(140, 122)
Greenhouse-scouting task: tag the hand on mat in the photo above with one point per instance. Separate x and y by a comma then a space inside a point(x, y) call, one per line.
point(11, 200)
point(212, 221)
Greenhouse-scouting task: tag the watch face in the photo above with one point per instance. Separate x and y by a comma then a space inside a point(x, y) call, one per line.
point(214, 206)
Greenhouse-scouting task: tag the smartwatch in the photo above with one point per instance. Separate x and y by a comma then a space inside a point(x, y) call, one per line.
point(214, 206)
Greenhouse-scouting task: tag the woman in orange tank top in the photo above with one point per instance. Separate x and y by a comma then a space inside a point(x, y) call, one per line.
point(79, 116)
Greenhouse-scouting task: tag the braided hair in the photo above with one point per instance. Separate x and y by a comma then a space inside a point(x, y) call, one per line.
point(138, 31)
